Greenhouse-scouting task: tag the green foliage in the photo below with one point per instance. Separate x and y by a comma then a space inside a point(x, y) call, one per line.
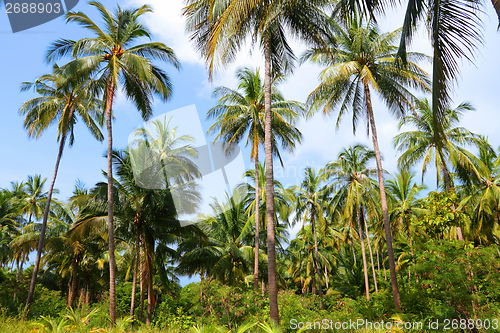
point(455, 280)
point(441, 215)
point(53, 325)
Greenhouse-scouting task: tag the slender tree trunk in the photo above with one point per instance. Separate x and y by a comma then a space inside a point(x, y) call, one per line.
point(134, 279)
point(86, 301)
point(257, 222)
point(151, 297)
point(316, 255)
point(385, 273)
point(326, 279)
point(353, 252)
point(363, 253)
point(378, 264)
point(383, 201)
point(44, 223)
point(202, 280)
point(18, 274)
point(313, 284)
point(74, 284)
point(142, 287)
point(271, 242)
point(263, 288)
point(111, 231)
point(371, 252)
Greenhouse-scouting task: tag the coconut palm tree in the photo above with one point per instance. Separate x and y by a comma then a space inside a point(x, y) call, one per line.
point(113, 56)
point(354, 192)
point(227, 254)
point(241, 113)
point(220, 29)
point(365, 61)
point(311, 198)
point(62, 99)
point(174, 155)
point(403, 192)
point(481, 197)
point(10, 221)
point(303, 263)
point(282, 199)
point(420, 144)
point(454, 28)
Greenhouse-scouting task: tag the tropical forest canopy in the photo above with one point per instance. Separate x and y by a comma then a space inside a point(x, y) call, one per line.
point(349, 241)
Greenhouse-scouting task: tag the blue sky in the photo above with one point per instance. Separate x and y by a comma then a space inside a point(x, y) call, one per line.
point(22, 59)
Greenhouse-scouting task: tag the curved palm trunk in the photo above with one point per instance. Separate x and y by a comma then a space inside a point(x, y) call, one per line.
point(271, 242)
point(383, 201)
point(44, 224)
point(370, 250)
point(111, 231)
point(363, 253)
point(318, 268)
point(257, 222)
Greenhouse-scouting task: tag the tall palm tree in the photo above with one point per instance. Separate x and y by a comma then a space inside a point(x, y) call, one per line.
point(303, 262)
point(220, 29)
point(404, 194)
point(481, 197)
point(62, 100)
point(241, 113)
point(113, 56)
point(227, 254)
point(454, 28)
point(365, 61)
point(175, 155)
point(420, 144)
point(354, 192)
point(282, 199)
point(311, 199)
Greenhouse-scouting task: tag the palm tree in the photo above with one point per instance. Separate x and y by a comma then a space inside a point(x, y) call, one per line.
point(403, 193)
point(175, 155)
point(220, 29)
point(241, 113)
point(311, 199)
point(226, 255)
point(282, 199)
point(454, 28)
point(355, 192)
point(365, 60)
point(481, 197)
point(455, 31)
point(63, 99)
point(421, 143)
point(303, 259)
point(112, 56)
point(10, 221)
